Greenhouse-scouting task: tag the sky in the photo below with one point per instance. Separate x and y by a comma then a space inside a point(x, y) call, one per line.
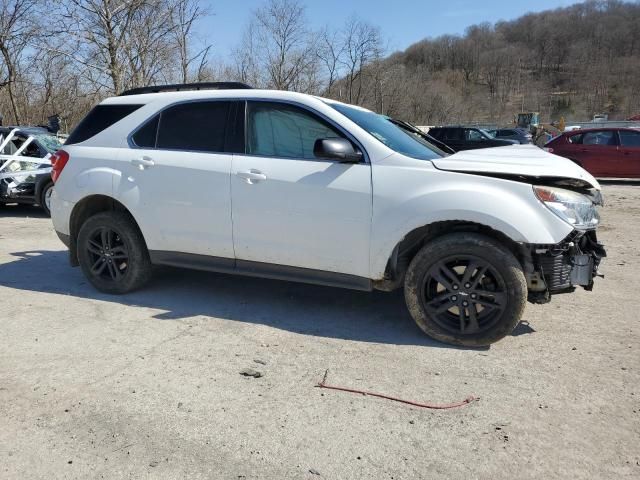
point(403, 22)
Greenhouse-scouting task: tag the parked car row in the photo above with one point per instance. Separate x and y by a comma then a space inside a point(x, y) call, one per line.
point(603, 152)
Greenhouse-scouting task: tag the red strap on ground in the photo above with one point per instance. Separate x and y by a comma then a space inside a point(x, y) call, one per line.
point(436, 406)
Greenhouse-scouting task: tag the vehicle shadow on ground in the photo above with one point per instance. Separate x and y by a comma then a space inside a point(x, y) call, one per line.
point(21, 211)
point(376, 317)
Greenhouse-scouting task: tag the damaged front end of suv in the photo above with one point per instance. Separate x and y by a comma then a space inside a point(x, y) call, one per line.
point(574, 262)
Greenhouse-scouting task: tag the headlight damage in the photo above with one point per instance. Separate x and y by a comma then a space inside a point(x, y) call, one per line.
point(576, 209)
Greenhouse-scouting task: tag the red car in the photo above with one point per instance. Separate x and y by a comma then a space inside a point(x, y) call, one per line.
point(603, 152)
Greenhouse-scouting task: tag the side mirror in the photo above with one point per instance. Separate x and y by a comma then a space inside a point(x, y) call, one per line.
point(339, 149)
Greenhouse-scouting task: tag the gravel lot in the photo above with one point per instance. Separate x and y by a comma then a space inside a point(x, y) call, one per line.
point(147, 385)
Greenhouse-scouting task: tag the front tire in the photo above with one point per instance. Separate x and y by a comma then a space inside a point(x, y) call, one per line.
point(465, 289)
point(113, 254)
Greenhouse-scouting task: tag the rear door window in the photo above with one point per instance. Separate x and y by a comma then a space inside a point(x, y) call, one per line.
point(194, 126)
point(98, 119)
point(629, 138)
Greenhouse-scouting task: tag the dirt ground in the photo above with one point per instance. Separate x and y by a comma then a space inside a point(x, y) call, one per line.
point(147, 385)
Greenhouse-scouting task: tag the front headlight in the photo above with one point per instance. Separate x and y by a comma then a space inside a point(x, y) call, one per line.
point(574, 208)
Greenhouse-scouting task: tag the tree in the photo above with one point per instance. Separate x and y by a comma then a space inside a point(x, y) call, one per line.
point(101, 29)
point(284, 43)
point(18, 28)
point(362, 45)
point(185, 15)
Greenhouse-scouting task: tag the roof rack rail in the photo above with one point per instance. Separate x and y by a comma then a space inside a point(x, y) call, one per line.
point(178, 87)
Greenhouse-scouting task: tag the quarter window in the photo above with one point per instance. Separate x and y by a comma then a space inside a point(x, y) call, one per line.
point(286, 131)
point(99, 119)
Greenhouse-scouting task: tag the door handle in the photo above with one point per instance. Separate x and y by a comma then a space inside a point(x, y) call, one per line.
point(143, 162)
point(252, 176)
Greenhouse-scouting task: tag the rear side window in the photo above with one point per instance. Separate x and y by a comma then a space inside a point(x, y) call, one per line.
point(629, 138)
point(575, 139)
point(98, 119)
point(195, 126)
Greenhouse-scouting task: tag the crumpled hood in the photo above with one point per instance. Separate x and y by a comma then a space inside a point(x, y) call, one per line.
point(516, 161)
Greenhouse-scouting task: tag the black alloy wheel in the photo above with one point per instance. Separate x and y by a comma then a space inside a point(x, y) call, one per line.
point(464, 294)
point(465, 289)
point(112, 253)
point(108, 253)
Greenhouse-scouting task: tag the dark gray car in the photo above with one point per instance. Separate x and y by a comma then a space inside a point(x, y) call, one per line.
point(521, 135)
point(468, 138)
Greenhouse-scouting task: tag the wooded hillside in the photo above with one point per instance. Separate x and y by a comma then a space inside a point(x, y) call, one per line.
point(573, 62)
point(63, 57)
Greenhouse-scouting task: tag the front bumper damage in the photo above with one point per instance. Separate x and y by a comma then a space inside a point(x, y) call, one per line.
point(560, 268)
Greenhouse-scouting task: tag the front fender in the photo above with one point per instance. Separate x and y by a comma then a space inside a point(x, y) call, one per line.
point(429, 196)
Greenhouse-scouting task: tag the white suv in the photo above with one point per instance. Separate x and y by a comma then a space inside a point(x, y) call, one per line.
point(283, 185)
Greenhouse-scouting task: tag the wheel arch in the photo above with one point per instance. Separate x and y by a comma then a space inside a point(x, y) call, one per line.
point(407, 248)
point(86, 208)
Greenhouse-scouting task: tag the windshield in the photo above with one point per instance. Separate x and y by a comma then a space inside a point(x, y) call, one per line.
point(50, 142)
point(386, 132)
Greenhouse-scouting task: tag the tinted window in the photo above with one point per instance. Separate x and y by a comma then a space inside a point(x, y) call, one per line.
point(506, 133)
point(437, 133)
point(474, 135)
point(607, 137)
point(629, 138)
point(194, 126)
point(99, 119)
point(447, 133)
point(387, 133)
point(454, 134)
point(145, 137)
point(280, 130)
point(576, 139)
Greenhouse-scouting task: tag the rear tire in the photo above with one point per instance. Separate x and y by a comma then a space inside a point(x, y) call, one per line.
point(465, 289)
point(45, 197)
point(113, 254)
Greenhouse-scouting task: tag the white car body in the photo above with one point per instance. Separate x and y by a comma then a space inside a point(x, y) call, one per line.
point(325, 216)
point(294, 187)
